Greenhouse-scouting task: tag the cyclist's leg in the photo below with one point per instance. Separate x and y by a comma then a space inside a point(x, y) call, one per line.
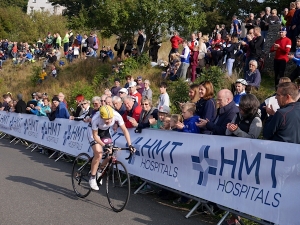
point(97, 149)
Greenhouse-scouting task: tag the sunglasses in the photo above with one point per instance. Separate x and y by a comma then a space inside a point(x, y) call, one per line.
point(121, 92)
point(145, 104)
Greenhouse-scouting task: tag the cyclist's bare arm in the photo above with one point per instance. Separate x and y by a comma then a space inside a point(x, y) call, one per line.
point(126, 134)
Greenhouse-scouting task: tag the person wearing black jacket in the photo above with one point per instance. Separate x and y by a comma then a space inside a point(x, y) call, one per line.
point(86, 111)
point(256, 42)
point(231, 48)
point(21, 105)
point(283, 124)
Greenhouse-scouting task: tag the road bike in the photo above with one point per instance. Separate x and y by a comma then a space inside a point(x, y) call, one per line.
point(115, 173)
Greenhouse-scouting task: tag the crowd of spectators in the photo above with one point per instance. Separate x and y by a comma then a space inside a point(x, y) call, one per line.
point(237, 113)
point(231, 47)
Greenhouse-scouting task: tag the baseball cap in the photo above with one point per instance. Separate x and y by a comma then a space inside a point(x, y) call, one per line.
point(132, 84)
point(117, 79)
point(139, 78)
point(33, 94)
point(242, 81)
point(106, 112)
point(123, 90)
point(164, 109)
point(283, 29)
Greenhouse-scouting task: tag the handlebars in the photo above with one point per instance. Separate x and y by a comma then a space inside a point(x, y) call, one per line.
point(114, 148)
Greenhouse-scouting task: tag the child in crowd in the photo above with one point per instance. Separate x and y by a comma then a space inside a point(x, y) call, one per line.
point(240, 86)
point(189, 119)
point(42, 76)
point(53, 71)
point(175, 118)
point(166, 123)
point(163, 111)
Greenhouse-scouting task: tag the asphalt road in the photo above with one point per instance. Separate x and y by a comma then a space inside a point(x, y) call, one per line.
point(37, 190)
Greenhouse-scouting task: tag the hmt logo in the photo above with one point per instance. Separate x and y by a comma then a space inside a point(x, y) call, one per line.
point(204, 165)
point(239, 173)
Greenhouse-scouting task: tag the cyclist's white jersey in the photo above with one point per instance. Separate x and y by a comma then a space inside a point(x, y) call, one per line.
point(99, 124)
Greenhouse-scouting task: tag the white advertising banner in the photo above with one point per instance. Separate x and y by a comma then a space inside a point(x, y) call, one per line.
point(256, 177)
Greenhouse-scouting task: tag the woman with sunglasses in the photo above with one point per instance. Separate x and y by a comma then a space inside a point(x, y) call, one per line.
point(86, 111)
point(148, 111)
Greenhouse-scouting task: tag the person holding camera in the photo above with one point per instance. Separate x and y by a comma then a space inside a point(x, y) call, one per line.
point(148, 111)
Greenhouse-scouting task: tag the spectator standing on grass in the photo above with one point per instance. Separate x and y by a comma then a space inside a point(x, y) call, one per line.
point(247, 122)
point(288, 17)
point(115, 89)
point(175, 41)
point(185, 61)
point(281, 47)
point(264, 25)
point(280, 126)
point(253, 76)
point(164, 98)
point(65, 42)
point(147, 90)
point(140, 85)
point(141, 41)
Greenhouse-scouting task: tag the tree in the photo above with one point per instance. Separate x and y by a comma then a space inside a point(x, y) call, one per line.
point(18, 3)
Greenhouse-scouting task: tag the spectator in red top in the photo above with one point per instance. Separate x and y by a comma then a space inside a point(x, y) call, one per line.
point(175, 41)
point(133, 110)
point(281, 47)
point(194, 62)
point(216, 49)
point(134, 93)
point(193, 42)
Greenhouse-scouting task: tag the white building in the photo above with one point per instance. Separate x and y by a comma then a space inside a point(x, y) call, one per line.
point(43, 6)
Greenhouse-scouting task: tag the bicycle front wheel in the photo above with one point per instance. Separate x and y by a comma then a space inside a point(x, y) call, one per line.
point(81, 175)
point(117, 186)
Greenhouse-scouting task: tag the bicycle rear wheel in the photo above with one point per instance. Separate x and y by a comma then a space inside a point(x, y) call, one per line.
point(117, 186)
point(81, 175)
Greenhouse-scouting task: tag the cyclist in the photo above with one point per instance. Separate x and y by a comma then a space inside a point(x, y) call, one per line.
point(105, 118)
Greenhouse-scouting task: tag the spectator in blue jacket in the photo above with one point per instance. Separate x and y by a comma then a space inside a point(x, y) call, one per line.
point(59, 110)
point(225, 114)
point(189, 119)
point(252, 76)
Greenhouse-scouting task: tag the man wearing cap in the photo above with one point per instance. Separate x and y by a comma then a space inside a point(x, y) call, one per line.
point(133, 110)
point(240, 86)
point(115, 89)
point(134, 93)
point(21, 105)
point(281, 47)
point(140, 86)
point(123, 92)
point(34, 109)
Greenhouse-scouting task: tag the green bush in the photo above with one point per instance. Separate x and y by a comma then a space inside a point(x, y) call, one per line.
point(215, 75)
point(178, 92)
point(35, 75)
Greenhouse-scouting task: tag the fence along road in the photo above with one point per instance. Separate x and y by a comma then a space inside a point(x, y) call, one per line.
point(35, 190)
